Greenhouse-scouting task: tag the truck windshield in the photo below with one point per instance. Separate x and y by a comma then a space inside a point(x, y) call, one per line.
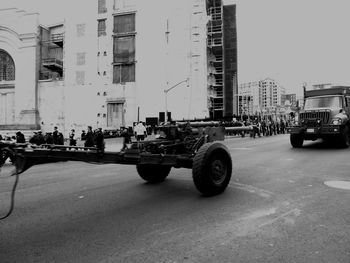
point(323, 102)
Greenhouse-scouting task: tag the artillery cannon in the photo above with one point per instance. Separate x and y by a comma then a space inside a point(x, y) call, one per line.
point(178, 146)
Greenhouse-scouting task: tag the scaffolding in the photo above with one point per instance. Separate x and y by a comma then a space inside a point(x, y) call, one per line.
point(215, 51)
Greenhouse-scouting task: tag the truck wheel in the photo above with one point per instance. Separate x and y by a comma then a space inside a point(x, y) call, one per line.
point(296, 140)
point(153, 173)
point(344, 137)
point(212, 168)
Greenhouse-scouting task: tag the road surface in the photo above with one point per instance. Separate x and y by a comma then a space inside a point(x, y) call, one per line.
point(277, 208)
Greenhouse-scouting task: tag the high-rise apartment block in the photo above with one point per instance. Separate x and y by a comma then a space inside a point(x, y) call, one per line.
point(265, 95)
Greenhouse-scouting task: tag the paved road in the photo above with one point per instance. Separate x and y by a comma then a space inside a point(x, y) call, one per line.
point(276, 209)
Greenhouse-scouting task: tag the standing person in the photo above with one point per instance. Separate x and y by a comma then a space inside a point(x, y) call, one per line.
point(48, 138)
point(99, 140)
point(60, 138)
point(72, 140)
point(256, 128)
point(33, 139)
point(55, 137)
point(20, 137)
point(140, 131)
point(283, 127)
point(40, 138)
point(83, 135)
point(89, 138)
point(126, 138)
point(263, 127)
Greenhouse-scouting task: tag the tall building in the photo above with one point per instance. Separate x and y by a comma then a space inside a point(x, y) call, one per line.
point(270, 93)
point(116, 63)
point(222, 59)
point(248, 98)
point(265, 95)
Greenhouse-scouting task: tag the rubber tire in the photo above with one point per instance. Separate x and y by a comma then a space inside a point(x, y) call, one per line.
point(344, 140)
point(296, 140)
point(153, 173)
point(208, 155)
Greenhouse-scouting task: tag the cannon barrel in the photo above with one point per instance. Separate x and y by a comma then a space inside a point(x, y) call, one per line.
point(239, 128)
point(197, 124)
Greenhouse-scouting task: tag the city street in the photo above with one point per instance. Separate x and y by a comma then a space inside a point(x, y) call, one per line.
point(277, 208)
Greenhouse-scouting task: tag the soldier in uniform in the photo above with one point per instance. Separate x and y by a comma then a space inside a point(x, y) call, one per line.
point(20, 137)
point(99, 140)
point(55, 136)
point(48, 138)
point(72, 140)
point(89, 138)
point(40, 138)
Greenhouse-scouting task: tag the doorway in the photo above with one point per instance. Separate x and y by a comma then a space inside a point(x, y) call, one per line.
point(115, 115)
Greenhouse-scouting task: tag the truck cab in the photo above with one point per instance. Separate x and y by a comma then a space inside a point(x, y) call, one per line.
point(325, 115)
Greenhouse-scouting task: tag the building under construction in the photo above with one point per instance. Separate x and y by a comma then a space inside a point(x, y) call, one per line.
point(222, 60)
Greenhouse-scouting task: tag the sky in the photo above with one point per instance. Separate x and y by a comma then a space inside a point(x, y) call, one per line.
point(291, 41)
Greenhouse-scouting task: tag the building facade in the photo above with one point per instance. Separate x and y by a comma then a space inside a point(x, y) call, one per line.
point(264, 96)
point(111, 65)
point(222, 60)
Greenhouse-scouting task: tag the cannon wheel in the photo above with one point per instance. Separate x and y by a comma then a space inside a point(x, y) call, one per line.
point(212, 168)
point(153, 173)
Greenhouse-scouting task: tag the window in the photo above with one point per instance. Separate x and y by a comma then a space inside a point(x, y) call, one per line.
point(81, 58)
point(80, 77)
point(124, 48)
point(7, 66)
point(124, 24)
point(102, 6)
point(80, 30)
point(101, 28)
point(124, 73)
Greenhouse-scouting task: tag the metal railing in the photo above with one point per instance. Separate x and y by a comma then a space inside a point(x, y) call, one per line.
point(52, 61)
point(48, 75)
point(57, 37)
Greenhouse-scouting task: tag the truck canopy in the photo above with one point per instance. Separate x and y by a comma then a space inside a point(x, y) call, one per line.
point(335, 90)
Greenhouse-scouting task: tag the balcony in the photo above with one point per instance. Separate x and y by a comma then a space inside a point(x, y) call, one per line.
point(57, 39)
point(49, 75)
point(214, 29)
point(215, 45)
point(53, 64)
point(216, 94)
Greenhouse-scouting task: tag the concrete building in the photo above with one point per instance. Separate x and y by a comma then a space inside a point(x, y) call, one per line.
point(289, 99)
point(264, 95)
point(18, 79)
point(222, 60)
point(248, 98)
point(110, 65)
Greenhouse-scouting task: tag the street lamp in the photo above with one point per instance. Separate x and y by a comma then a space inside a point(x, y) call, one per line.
point(166, 99)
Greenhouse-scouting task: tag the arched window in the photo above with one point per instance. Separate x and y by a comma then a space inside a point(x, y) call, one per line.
point(7, 66)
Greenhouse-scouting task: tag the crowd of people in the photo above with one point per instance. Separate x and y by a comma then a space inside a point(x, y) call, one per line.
point(95, 138)
point(260, 127)
point(91, 138)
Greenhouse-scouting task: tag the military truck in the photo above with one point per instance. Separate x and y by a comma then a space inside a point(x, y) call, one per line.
point(325, 115)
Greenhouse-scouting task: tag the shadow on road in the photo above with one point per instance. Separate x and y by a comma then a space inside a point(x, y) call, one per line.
point(322, 144)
